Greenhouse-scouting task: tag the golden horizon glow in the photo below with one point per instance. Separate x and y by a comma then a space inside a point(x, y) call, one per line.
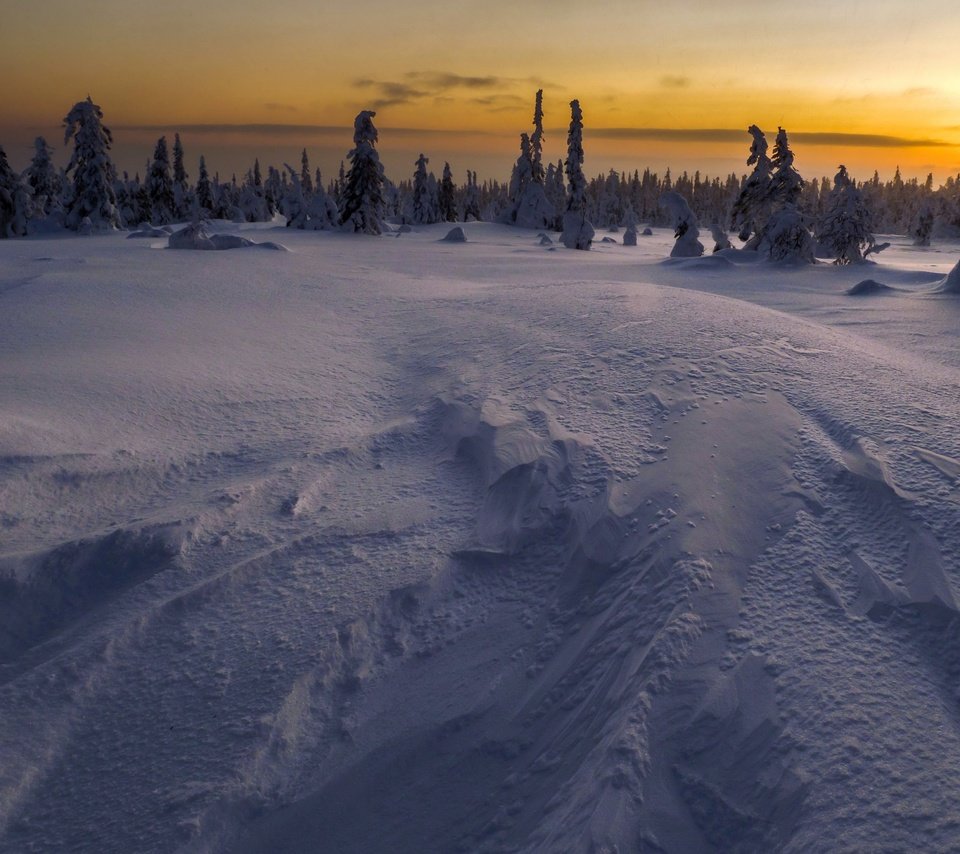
point(876, 69)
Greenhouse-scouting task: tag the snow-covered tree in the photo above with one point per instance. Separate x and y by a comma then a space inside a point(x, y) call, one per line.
point(252, 199)
point(471, 198)
point(630, 228)
point(293, 205)
point(528, 206)
point(424, 203)
point(577, 230)
point(14, 201)
point(922, 226)
point(91, 173)
point(305, 180)
point(609, 211)
point(844, 228)
point(720, 239)
point(160, 185)
point(42, 179)
point(556, 192)
point(321, 209)
point(752, 207)
point(273, 189)
point(537, 173)
point(182, 204)
point(786, 185)
point(685, 227)
point(204, 190)
point(361, 203)
point(448, 196)
point(787, 237)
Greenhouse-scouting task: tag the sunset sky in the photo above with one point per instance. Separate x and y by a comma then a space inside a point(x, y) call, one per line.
point(872, 84)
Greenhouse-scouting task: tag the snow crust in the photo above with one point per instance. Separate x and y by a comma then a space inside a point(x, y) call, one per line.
point(377, 545)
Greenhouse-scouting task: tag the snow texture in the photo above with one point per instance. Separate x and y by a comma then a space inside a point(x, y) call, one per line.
point(381, 546)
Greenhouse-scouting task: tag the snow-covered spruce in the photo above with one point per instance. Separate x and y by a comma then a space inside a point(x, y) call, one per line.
point(160, 185)
point(786, 236)
point(577, 230)
point(844, 228)
point(204, 189)
point(425, 202)
point(182, 202)
point(43, 182)
point(90, 200)
point(448, 196)
point(361, 206)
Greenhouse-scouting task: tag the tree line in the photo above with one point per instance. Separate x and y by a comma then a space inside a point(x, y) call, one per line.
point(770, 206)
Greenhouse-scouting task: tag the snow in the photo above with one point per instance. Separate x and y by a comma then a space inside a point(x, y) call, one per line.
point(391, 545)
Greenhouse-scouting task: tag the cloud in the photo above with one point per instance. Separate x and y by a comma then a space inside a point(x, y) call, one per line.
point(500, 103)
point(674, 81)
point(391, 92)
point(417, 85)
point(448, 80)
point(861, 140)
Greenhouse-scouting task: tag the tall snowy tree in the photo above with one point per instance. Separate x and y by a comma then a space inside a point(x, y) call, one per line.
point(786, 185)
point(91, 172)
point(361, 202)
point(786, 236)
point(844, 228)
point(577, 230)
point(181, 189)
point(160, 185)
point(536, 141)
point(752, 207)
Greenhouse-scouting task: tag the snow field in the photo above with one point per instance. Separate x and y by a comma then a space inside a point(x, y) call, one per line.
point(392, 544)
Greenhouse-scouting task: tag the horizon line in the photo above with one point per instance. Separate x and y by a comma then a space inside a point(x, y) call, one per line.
point(716, 135)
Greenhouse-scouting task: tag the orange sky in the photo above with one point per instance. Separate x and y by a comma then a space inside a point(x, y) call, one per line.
point(880, 78)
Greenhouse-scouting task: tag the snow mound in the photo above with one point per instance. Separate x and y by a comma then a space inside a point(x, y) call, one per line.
point(454, 235)
point(951, 284)
point(607, 240)
point(869, 287)
point(196, 236)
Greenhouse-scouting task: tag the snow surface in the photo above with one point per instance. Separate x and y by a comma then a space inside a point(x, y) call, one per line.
point(392, 545)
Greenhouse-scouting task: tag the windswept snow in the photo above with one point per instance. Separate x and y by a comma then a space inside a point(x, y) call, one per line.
point(391, 545)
